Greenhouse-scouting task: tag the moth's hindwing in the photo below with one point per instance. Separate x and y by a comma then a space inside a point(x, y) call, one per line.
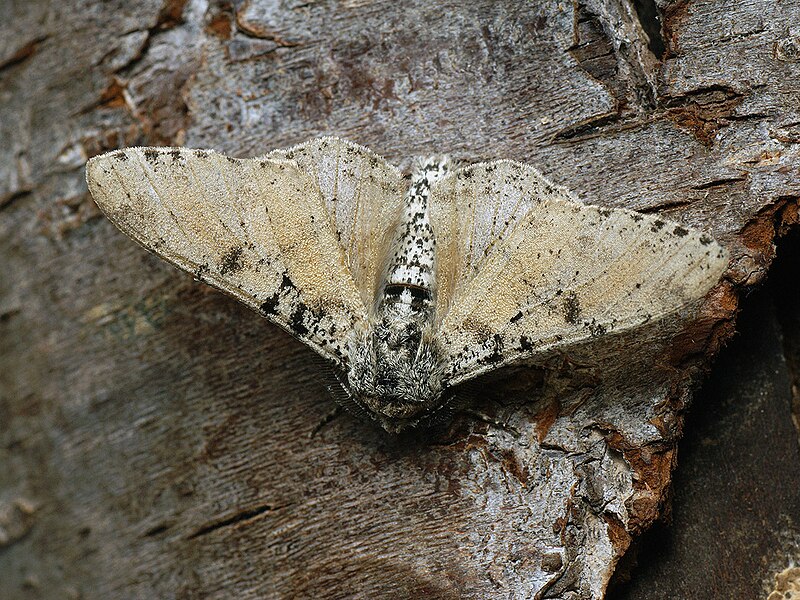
point(257, 229)
point(363, 196)
point(525, 267)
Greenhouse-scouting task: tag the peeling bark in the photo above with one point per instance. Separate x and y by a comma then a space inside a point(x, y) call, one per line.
point(169, 443)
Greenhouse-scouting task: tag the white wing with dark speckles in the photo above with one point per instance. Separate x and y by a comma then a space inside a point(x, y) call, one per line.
point(524, 267)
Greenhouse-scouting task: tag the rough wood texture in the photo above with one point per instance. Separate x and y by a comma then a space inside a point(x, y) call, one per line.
point(155, 437)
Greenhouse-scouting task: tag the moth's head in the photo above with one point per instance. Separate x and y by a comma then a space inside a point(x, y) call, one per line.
point(395, 374)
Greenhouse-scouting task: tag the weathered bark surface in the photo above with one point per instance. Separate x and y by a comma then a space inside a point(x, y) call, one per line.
point(155, 437)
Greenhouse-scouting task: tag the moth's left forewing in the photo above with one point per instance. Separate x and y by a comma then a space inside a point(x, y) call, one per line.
point(253, 228)
point(559, 272)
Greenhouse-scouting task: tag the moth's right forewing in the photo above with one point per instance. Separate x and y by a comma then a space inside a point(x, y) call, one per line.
point(556, 272)
point(252, 228)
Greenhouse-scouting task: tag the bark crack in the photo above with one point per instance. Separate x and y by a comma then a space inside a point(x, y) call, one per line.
point(650, 20)
point(243, 516)
point(23, 53)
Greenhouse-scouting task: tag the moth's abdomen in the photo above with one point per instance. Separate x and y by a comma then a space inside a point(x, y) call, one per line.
point(413, 257)
point(411, 278)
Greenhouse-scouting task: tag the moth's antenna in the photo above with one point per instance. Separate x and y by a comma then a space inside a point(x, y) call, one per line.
point(337, 387)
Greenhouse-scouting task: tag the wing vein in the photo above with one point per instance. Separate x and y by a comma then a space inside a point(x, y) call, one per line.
point(161, 197)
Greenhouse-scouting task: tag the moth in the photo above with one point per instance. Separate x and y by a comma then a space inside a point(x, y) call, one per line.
point(409, 286)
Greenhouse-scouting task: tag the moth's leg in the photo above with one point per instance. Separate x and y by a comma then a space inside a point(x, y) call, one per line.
point(462, 401)
point(478, 415)
point(330, 416)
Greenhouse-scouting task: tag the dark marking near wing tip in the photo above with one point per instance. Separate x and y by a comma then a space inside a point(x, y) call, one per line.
point(680, 231)
point(151, 155)
point(201, 154)
point(120, 155)
point(525, 343)
point(572, 308)
point(231, 262)
point(175, 154)
point(269, 306)
point(516, 317)
point(637, 217)
point(657, 225)
point(597, 329)
point(286, 283)
point(231, 160)
point(296, 320)
point(706, 239)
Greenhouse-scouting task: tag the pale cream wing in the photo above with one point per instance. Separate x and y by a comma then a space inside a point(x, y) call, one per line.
point(476, 208)
point(526, 268)
point(363, 196)
point(256, 229)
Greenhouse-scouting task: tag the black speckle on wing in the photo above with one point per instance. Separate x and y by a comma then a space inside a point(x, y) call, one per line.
point(680, 231)
point(231, 261)
point(572, 308)
point(270, 305)
point(297, 319)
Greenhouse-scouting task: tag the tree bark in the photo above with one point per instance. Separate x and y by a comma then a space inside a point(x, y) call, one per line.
point(159, 440)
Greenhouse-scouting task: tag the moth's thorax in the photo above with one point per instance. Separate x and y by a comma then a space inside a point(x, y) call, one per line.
point(396, 373)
